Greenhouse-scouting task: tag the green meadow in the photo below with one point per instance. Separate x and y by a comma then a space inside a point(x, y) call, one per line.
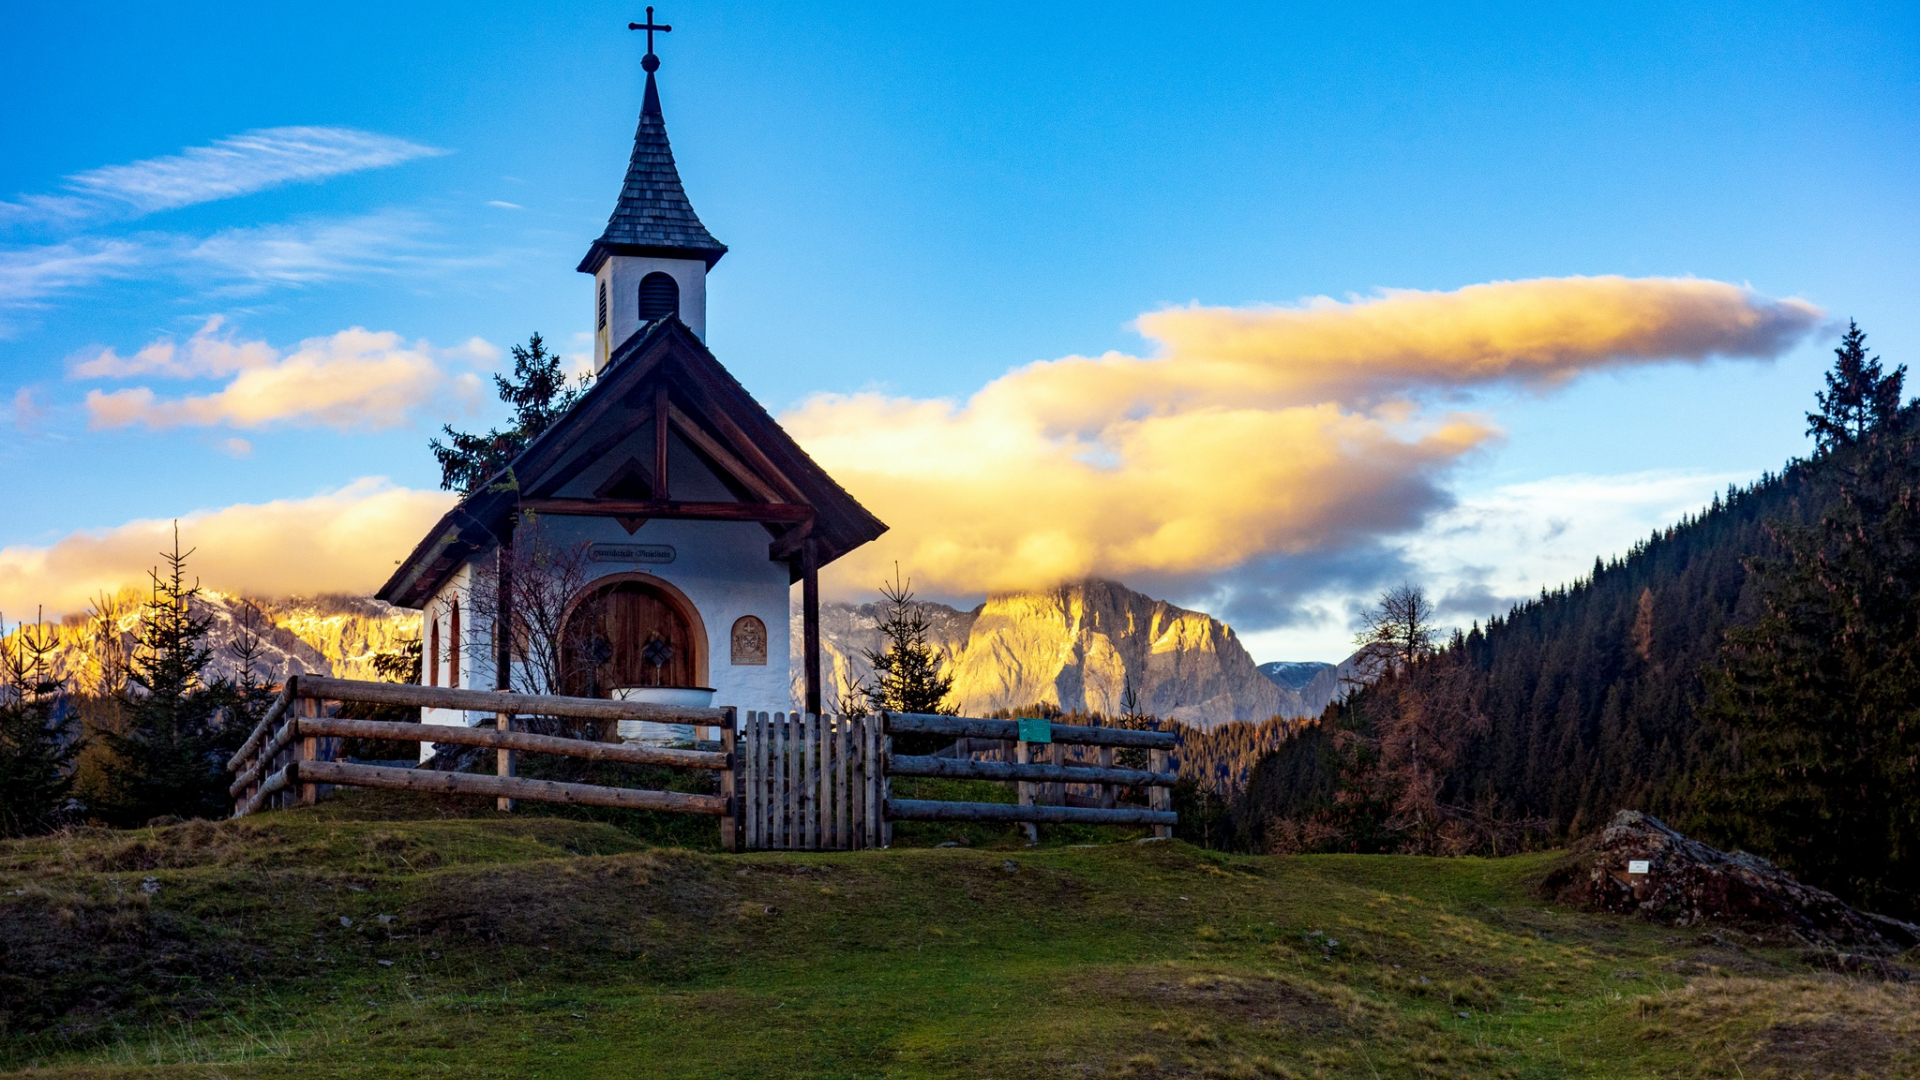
point(372, 937)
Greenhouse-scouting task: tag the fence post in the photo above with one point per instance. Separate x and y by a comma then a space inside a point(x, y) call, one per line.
point(1105, 761)
point(730, 786)
point(503, 760)
point(1057, 791)
point(306, 750)
point(291, 796)
point(1161, 798)
point(309, 751)
point(1023, 755)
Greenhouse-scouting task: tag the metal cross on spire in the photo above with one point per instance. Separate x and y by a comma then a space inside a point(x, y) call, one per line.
point(650, 61)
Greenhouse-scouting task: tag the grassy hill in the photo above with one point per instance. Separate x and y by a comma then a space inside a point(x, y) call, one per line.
point(369, 937)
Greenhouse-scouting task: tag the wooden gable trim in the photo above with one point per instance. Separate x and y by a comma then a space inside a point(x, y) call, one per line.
point(843, 528)
point(725, 460)
point(600, 448)
point(575, 426)
point(662, 508)
point(661, 436)
point(733, 466)
point(749, 447)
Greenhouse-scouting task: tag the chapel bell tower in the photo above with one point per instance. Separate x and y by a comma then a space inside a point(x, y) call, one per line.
point(653, 258)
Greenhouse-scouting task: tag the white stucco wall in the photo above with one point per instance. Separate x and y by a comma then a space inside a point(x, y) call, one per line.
point(720, 566)
point(476, 671)
point(621, 274)
point(723, 569)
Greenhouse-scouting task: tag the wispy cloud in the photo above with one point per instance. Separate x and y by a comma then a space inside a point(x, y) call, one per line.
point(232, 262)
point(354, 379)
point(1253, 433)
point(337, 541)
point(238, 165)
point(30, 275)
point(305, 253)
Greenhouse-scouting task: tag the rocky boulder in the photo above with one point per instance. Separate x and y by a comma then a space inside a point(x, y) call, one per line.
point(1639, 866)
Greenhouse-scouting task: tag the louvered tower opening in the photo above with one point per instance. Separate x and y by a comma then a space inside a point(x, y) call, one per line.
point(659, 296)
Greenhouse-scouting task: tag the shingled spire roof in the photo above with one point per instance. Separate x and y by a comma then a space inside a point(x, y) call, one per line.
point(653, 216)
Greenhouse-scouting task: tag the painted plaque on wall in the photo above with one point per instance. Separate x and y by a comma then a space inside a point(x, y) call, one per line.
point(749, 640)
point(633, 553)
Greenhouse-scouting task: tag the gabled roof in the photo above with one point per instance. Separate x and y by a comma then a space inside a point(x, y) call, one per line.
point(739, 439)
point(653, 216)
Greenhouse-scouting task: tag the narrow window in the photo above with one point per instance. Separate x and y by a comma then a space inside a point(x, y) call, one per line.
point(602, 323)
point(433, 654)
point(659, 296)
point(453, 646)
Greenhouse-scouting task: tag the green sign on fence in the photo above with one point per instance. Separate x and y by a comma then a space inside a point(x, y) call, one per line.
point(1035, 730)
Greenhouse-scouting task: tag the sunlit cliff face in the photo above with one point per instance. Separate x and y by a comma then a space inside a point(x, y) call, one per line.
point(1249, 432)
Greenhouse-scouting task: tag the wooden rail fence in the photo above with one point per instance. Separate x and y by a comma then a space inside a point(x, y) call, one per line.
point(788, 781)
point(1041, 791)
point(284, 758)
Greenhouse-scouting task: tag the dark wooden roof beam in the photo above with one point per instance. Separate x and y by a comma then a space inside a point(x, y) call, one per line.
point(662, 508)
point(713, 448)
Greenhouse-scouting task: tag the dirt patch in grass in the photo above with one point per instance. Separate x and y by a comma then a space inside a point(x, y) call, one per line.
point(73, 959)
point(1252, 1000)
point(1826, 1048)
point(1814, 1027)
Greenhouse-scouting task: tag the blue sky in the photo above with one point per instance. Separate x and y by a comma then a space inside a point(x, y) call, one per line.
point(921, 198)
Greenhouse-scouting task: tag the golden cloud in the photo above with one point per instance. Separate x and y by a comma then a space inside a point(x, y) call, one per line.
point(1250, 431)
point(343, 541)
point(352, 379)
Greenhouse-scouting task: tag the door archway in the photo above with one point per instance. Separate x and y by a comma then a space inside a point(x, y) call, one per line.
point(632, 630)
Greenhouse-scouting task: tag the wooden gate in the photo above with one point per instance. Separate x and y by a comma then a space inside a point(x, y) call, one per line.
point(812, 782)
point(809, 782)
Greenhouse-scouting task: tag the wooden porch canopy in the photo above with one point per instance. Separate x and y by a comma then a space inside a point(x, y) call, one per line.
point(663, 376)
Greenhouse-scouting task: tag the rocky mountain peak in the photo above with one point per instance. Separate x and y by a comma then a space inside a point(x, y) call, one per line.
point(1077, 646)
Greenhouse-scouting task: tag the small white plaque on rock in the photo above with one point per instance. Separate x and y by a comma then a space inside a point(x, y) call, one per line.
point(1638, 866)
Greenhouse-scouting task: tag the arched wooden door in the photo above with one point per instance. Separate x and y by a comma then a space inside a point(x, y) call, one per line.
point(628, 633)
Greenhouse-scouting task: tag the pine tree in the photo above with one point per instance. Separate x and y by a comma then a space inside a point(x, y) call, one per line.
point(1859, 397)
point(539, 393)
point(1818, 700)
point(247, 695)
point(171, 759)
point(36, 756)
point(906, 675)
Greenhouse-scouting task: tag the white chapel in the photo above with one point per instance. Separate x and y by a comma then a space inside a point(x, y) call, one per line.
point(683, 514)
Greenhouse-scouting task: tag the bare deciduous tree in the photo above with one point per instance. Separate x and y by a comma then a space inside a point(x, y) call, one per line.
point(548, 577)
point(1396, 635)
